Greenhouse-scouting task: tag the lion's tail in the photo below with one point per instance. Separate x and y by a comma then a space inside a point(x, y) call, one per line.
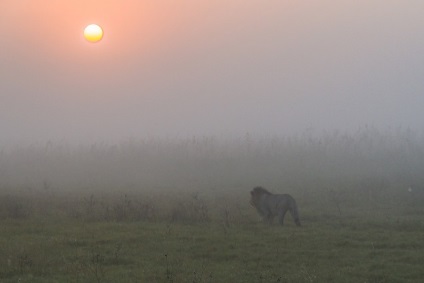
point(295, 212)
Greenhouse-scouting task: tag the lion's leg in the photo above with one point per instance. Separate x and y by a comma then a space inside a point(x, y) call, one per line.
point(267, 217)
point(295, 218)
point(295, 215)
point(281, 216)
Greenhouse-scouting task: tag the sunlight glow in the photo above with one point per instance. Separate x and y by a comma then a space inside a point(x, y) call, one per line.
point(93, 33)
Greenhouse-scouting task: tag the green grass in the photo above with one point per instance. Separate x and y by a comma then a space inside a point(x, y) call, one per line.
point(107, 238)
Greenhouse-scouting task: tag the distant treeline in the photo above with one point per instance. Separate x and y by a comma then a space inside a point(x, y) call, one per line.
point(369, 157)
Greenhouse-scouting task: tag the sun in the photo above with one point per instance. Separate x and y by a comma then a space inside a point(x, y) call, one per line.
point(93, 33)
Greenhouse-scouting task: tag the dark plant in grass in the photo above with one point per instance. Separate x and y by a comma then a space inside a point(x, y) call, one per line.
point(192, 211)
point(15, 207)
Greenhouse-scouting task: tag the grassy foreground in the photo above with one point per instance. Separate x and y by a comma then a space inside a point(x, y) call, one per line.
point(208, 237)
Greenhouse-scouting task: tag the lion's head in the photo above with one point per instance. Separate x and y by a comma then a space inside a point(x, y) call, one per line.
point(256, 194)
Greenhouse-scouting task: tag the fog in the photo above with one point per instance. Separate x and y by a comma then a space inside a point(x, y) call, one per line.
point(216, 68)
point(210, 93)
point(369, 160)
point(134, 157)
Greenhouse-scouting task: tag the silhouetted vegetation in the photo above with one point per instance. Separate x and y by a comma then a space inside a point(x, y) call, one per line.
point(367, 158)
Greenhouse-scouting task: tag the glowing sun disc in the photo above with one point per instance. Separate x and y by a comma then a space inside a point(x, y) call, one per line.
point(93, 33)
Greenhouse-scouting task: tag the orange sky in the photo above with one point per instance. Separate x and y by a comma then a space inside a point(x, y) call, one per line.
point(207, 67)
point(51, 31)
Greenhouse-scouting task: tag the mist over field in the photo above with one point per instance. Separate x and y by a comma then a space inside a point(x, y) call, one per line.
point(302, 97)
point(366, 160)
point(131, 159)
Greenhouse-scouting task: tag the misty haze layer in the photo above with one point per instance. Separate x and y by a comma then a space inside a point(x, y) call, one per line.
point(207, 68)
point(368, 160)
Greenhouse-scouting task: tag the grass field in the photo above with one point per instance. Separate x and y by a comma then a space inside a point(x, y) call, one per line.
point(208, 237)
point(178, 210)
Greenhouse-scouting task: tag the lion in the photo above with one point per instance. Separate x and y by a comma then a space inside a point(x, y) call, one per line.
point(270, 205)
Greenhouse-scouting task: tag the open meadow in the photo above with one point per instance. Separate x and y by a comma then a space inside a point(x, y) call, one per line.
point(178, 211)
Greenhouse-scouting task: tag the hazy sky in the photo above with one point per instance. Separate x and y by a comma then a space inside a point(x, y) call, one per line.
point(211, 67)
